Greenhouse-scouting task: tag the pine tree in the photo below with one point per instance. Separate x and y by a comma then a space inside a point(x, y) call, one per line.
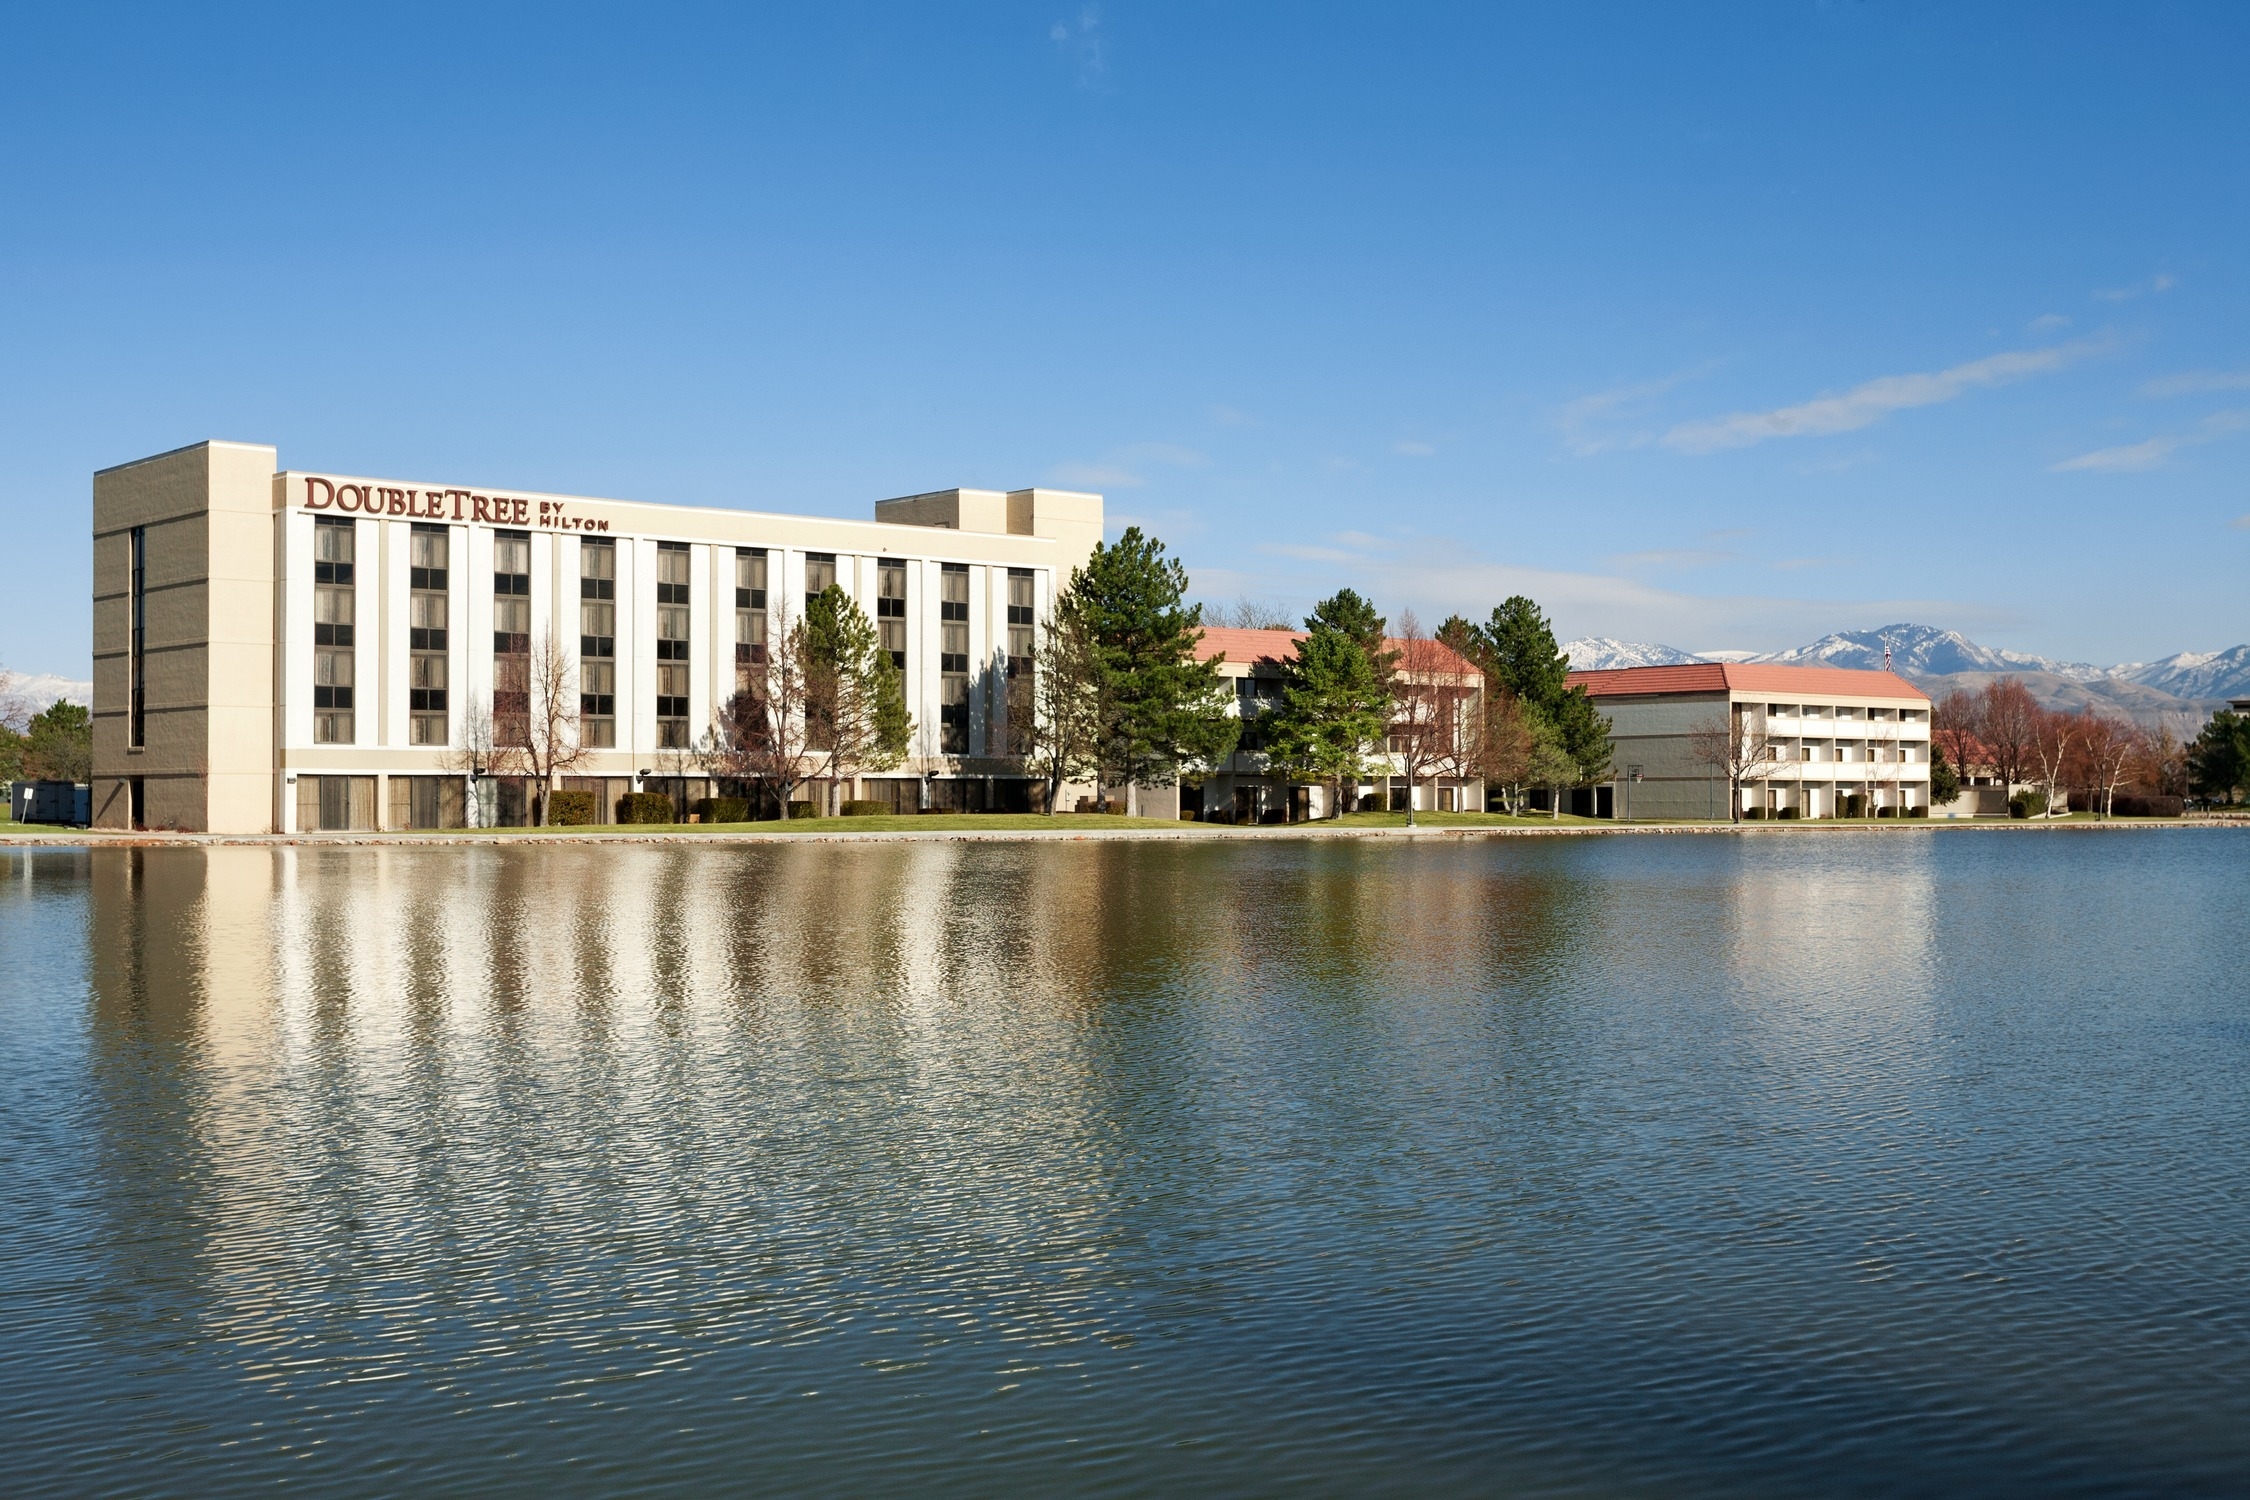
point(1160, 704)
point(1333, 709)
point(1519, 651)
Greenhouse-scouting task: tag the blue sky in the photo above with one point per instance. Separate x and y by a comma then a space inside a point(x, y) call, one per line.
point(1717, 326)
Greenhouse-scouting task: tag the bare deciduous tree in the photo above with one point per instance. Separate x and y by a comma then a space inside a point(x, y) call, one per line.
point(2007, 723)
point(1065, 729)
point(1433, 701)
point(2051, 737)
point(1733, 743)
point(761, 733)
point(1247, 613)
point(474, 752)
point(1506, 743)
point(2108, 753)
point(541, 742)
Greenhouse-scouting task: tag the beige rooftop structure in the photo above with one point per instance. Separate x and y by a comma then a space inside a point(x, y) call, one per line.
point(284, 650)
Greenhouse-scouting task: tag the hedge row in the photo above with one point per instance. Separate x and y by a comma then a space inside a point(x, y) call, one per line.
point(2130, 804)
point(574, 809)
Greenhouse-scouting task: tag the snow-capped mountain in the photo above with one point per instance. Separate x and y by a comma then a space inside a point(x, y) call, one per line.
point(2176, 691)
point(2194, 674)
point(1923, 651)
point(1600, 653)
point(41, 691)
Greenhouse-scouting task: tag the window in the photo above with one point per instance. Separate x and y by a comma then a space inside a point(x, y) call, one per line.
point(890, 609)
point(334, 552)
point(136, 729)
point(672, 644)
point(953, 659)
point(426, 621)
point(820, 573)
point(597, 644)
point(749, 612)
point(511, 593)
point(1021, 701)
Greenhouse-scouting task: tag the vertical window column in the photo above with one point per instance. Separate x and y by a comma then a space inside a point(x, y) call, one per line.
point(426, 634)
point(333, 555)
point(672, 645)
point(890, 608)
point(1022, 704)
point(511, 637)
point(953, 658)
point(136, 728)
point(820, 572)
point(749, 613)
point(597, 643)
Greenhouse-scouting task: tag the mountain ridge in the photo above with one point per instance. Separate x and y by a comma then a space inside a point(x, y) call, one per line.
point(2187, 683)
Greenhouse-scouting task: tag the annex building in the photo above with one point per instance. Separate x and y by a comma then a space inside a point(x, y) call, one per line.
point(287, 650)
point(1819, 742)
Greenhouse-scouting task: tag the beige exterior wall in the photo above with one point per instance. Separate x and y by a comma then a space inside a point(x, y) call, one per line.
point(208, 758)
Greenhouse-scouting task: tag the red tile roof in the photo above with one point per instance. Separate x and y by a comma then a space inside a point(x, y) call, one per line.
point(1746, 677)
point(1225, 643)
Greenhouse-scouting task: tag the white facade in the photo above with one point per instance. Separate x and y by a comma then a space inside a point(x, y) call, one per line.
point(349, 699)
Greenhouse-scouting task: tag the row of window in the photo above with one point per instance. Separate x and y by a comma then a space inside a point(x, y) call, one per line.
point(429, 573)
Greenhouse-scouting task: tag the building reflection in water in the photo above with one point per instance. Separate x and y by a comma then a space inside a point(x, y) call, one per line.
point(739, 1093)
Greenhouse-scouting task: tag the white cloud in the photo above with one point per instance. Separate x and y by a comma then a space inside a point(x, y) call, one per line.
point(2196, 382)
point(1413, 450)
point(1865, 404)
point(1588, 424)
point(1082, 43)
point(2162, 281)
point(2046, 323)
point(1438, 576)
point(1228, 416)
point(1121, 468)
point(2240, 523)
point(2136, 458)
point(1670, 559)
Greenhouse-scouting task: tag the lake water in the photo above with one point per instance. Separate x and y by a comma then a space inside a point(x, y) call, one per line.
point(1624, 1165)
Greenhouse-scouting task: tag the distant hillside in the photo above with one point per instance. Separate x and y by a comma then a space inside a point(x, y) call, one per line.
point(1600, 654)
point(2194, 674)
point(1924, 651)
point(40, 692)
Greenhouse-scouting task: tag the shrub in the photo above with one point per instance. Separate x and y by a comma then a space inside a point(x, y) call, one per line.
point(723, 809)
point(941, 812)
point(859, 808)
point(573, 809)
point(1853, 805)
point(2147, 805)
point(1790, 812)
point(2027, 805)
point(1917, 812)
point(1756, 813)
point(801, 810)
point(644, 807)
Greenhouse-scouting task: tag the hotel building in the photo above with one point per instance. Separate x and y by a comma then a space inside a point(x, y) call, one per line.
point(1831, 735)
point(1248, 788)
point(288, 650)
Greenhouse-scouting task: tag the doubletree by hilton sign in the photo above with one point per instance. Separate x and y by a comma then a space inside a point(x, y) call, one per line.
point(464, 506)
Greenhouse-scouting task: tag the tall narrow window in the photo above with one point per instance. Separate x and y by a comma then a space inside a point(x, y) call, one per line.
point(953, 658)
point(672, 645)
point(820, 572)
point(137, 662)
point(511, 637)
point(890, 609)
point(333, 554)
point(597, 643)
point(749, 612)
point(427, 634)
point(1020, 700)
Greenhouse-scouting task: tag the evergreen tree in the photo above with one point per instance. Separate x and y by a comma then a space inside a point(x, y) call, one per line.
point(59, 744)
point(1349, 615)
point(1160, 704)
point(855, 702)
point(1519, 651)
point(1333, 710)
point(2219, 760)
